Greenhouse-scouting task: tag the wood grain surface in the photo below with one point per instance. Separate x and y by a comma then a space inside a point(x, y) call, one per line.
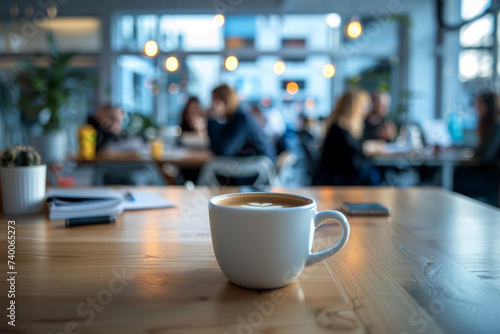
point(432, 266)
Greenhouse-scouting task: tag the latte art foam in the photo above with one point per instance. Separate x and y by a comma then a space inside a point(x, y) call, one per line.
point(262, 201)
point(261, 206)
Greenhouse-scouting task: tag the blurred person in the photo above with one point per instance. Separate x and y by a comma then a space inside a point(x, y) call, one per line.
point(193, 126)
point(488, 107)
point(377, 126)
point(342, 161)
point(309, 143)
point(482, 180)
point(108, 123)
point(232, 132)
point(192, 118)
point(272, 124)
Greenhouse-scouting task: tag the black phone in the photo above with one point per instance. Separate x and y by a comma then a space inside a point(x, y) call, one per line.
point(365, 209)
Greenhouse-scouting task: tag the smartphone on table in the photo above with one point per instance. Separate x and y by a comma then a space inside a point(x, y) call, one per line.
point(365, 209)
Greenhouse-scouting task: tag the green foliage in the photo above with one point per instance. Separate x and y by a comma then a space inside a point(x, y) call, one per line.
point(19, 155)
point(46, 89)
point(7, 102)
point(140, 125)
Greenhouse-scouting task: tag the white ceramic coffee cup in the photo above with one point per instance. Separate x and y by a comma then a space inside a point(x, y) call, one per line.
point(268, 247)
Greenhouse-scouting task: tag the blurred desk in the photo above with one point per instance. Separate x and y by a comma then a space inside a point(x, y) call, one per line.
point(446, 160)
point(169, 163)
point(179, 157)
point(433, 266)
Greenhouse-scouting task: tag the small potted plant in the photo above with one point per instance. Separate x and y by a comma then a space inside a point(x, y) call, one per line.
point(22, 180)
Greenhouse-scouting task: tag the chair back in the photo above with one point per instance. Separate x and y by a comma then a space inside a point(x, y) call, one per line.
point(128, 173)
point(259, 167)
point(285, 164)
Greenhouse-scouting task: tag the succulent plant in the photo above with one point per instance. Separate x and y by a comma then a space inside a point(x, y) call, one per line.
point(19, 155)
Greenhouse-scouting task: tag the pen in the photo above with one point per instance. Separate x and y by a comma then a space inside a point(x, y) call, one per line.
point(129, 196)
point(89, 221)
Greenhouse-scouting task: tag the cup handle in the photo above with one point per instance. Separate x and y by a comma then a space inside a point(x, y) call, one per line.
point(318, 220)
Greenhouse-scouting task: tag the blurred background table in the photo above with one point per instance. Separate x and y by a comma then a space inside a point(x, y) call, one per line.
point(430, 267)
point(169, 164)
point(181, 157)
point(447, 160)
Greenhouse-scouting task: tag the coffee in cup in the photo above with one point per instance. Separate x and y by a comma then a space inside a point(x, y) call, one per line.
point(264, 240)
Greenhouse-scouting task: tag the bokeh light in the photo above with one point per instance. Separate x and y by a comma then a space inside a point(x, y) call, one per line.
point(328, 71)
point(279, 67)
point(149, 82)
point(14, 10)
point(28, 11)
point(150, 48)
point(292, 88)
point(354, 29)
point(231, 63)
point(52, 12)
point(171, 64)
point(266, 101)
point(219, 20)
point(173, 88)
point(333, 20)
point(310, 103)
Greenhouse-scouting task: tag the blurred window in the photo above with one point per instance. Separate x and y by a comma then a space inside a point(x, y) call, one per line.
point(136, 84)
point(475, 64)
point(478, 33)
point(477, 42)
point(472, 8)
point(190, 33)
point(271, 50)
point(75, 34)
point(476, 60)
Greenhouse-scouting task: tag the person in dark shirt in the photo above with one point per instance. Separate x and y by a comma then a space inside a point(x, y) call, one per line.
point(488, 107)
point(377, 126)
point(108, 123)
point(482, 180)
point(232, 132)
point(342, 161)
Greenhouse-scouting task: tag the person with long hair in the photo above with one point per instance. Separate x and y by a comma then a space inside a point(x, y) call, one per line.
point(481, 181)
point(342, 161)
point(488, 107)
point(192, 119)
point(231, 131)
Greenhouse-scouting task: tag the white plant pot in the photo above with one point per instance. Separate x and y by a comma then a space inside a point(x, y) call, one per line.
point(23, 189)
point(51, 145)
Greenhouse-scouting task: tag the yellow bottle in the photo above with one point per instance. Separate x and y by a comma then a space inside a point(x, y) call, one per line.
point(157, 149)
point(87, 137)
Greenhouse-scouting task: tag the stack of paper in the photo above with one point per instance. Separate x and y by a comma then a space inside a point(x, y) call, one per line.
point(95, 202)
point(80, 203)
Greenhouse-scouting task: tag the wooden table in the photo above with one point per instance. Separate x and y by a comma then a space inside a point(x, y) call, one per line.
point(433, 266)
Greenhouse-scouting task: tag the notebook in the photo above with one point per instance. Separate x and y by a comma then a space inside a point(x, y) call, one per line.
point(81, 203)
point(145, 200)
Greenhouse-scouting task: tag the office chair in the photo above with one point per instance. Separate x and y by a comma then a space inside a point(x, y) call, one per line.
point(284, 164)
point(243, 168)
point(128, 173)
